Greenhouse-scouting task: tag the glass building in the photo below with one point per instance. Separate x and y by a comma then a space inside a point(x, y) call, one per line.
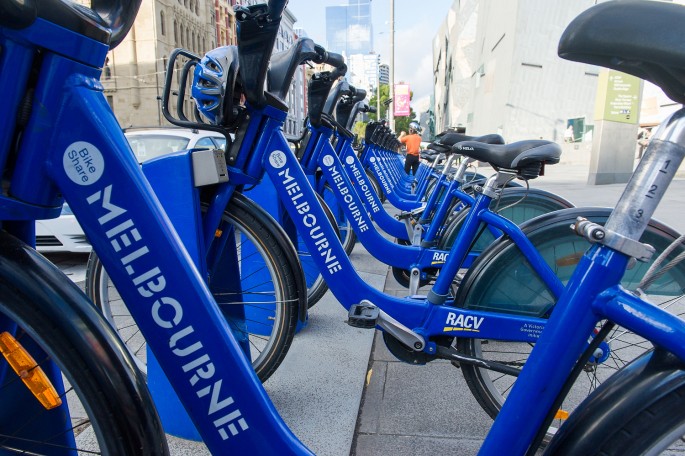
point(349, 29)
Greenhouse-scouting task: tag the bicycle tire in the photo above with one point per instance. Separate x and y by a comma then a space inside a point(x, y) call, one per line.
point(348, 237)
point(316, 285)
point(106, 406)
point(501, 280)
point(535, 203)
point(376, 186)
point(636, 412)
point(280, 313)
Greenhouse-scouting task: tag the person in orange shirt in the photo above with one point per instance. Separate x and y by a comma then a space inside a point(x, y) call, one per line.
point(413, 143)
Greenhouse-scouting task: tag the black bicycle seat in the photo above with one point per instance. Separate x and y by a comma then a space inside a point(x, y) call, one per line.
point(522, 156)
point(450, 139)
point(641, 38)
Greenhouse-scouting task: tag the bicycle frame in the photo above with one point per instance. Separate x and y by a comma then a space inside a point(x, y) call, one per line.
point(595, 281)
point(89, 162)
point(124, 221)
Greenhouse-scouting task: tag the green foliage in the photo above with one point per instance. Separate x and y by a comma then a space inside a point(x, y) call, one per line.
point(359, 129)
point(401, 123)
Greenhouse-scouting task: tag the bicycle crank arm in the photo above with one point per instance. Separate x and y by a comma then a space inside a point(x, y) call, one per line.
point(368, 315)
point(451, 354)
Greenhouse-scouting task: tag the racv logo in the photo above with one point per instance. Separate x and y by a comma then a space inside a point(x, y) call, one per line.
point(440, 257)
point(461, 322)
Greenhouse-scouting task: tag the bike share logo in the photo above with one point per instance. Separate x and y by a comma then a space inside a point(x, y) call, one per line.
point(328, 160)
point(83, 163)
point(460, 322)
point(277, 159)
point(349, 160)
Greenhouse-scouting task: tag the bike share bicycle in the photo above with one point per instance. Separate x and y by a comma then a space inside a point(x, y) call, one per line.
point(470, 352)
point(237, 414)
point(408, 339)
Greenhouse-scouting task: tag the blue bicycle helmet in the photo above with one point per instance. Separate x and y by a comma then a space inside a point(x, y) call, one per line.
point(214, 84)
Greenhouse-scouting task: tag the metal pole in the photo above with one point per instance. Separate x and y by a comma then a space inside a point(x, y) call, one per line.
point(391, 82)
point(378, 89)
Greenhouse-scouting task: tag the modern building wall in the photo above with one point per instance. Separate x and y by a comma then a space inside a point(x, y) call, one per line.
point(497, 71)
point(348, 28)
point(384, 73)
point(362, 71)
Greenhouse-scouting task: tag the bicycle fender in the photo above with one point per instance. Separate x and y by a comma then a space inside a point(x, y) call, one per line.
point(288, 248)
point(645, 380)
point(27, 275)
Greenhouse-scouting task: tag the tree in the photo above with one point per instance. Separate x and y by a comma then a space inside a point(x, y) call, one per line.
point(401, 123)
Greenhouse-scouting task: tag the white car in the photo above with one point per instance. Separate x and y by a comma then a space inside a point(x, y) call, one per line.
point(63, 234)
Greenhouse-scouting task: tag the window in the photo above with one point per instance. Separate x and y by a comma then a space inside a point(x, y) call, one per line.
point(205, 142)
point(107, 71)
point(175, 32)
point(220, 142)
point(110, 101)
point(161, 23)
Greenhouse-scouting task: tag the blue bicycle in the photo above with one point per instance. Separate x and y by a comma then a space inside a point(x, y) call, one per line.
point(162, 280)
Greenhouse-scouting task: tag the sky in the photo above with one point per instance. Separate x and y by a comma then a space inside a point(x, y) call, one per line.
point(416, 24)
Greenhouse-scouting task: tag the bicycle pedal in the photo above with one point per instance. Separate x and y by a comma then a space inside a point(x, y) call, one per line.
point(363, 316)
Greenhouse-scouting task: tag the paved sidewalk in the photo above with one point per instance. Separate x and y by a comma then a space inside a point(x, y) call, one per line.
point(428, 410)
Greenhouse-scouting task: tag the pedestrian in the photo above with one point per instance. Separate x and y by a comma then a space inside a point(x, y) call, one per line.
point(413, 143)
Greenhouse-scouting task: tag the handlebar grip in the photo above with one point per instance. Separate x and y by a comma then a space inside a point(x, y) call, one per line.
point(276, 8)
point(372, 109)
point(118, 15)
point(334, 60)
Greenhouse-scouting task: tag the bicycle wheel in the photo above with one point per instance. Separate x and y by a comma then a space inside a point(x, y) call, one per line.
point(639, 411)
point(347, 235)
point(518, 205)
point(501, 280)
point(268, 292)
point(316, 285)
point(376, 186)
point(105, 406)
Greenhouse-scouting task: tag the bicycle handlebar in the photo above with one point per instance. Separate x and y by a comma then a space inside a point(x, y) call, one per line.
point(334, 59)
point(257, 27)
point(107, 21)
point(117, 15)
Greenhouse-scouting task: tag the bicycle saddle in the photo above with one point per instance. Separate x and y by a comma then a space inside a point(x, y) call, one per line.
point(450, 139)
point(526, 157)
point(445, 142)
point(641, 38)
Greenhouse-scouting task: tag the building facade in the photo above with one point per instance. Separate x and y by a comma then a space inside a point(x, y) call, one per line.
point(362, 71)
point(133, 77)
point(348, 28)
point(135, 71)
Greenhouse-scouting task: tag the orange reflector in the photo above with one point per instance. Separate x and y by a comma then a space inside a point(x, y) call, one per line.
point(218, 233)
point(561, 415)
point(28, 370)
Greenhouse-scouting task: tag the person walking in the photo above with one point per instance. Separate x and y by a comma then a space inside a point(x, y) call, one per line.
point(413, 143)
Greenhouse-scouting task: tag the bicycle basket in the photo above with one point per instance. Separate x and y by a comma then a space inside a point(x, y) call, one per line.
point(206, 89)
